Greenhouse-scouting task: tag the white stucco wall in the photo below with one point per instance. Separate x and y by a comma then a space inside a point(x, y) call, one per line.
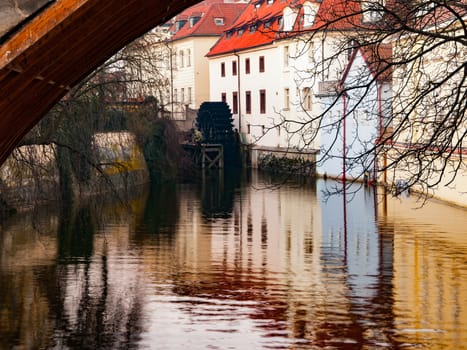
point(280, 126)
point(194, 73)
point(444, 178)
point(361, 126)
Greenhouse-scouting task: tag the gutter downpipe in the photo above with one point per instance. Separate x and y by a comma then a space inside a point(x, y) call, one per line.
point(239, 93)
point(344, 141)
point(167, 43)
point(344, 185)
point(381, 129)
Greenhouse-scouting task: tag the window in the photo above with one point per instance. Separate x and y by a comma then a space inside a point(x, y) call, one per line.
point(175, 95)
point(306, 96)
point(223, 69)
point(182, 95)
point(179, 25)
point(247, 66)
point(311, 52)
point(372, 11)
point(309, 13)
point(286, 56)
point(188, 58)
point(262, 101)
point(181, 59)
point(234, 102)
point(425, 8)
point(289, 19)
point(248, 102)
point(219, 21)
point(224, 97)
point(189, 96)
point(193, 20)
point(286, 99)
point(234, 67)
point(261, 64)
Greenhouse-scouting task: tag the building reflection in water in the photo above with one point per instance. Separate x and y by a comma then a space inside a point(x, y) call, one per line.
point(430, 280)
point(238, 264)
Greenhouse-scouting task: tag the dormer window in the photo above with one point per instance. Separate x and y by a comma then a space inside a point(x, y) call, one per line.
point(179, 24)
point(372, 10)
point(425, 7)
point(240, 31)
point(309, 13)
point(279, 21)
point(228, 34)
point(193, 20)
point(270, 2)
point(219, 21)
point(253, 28)
point(289, 19)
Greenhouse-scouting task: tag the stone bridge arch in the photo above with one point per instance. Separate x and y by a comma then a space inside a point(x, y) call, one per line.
point(48, 46)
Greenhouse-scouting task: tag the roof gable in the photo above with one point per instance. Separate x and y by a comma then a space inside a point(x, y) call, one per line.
point(377, 59)
point(262, 22)
point(207, 18)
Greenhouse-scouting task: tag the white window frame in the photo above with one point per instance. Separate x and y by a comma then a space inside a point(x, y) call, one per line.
point(286, 99)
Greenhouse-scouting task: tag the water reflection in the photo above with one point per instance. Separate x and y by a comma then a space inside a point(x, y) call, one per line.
point(161, 210)
point(92, 309)
point(235, 264)
point(76, 234)
point(218, 192)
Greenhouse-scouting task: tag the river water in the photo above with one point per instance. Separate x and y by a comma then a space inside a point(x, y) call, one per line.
point(235, 263)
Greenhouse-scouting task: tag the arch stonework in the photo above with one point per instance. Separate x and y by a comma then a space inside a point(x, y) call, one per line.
point(58, 47)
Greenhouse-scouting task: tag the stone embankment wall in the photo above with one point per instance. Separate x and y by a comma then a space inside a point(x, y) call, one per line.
point(287, 160)
point(30, 175)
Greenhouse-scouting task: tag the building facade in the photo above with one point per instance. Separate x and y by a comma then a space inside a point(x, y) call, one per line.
point(269, 67)
point(358, 114)
point(429, 106)
point(183, 43)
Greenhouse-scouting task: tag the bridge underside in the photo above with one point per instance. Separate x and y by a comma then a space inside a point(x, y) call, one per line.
point(58, 47)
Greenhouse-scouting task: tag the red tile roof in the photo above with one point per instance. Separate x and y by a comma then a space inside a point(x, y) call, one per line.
point(207, 11)
point(332, 15)
point(425, 14)
point(378, 59)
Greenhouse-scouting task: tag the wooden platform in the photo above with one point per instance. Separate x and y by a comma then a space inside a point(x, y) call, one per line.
point(207, 155)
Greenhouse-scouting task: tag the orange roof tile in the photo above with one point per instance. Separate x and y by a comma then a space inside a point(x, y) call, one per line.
point(206, 12)
point(378, 59)
point(260, 24)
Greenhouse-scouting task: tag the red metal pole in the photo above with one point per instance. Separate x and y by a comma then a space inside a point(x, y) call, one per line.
point(344, 139)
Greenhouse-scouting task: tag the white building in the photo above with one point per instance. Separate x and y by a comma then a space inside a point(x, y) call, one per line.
point(270, 76)
point(359, 113)
point(429, 106)
point(185, 41)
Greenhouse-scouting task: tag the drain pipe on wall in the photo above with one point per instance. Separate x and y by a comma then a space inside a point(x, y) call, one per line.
point(239, 98)
point(381, 131)
point(344, 141)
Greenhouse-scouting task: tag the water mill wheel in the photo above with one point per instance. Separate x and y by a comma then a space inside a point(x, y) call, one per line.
point(215, 122)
